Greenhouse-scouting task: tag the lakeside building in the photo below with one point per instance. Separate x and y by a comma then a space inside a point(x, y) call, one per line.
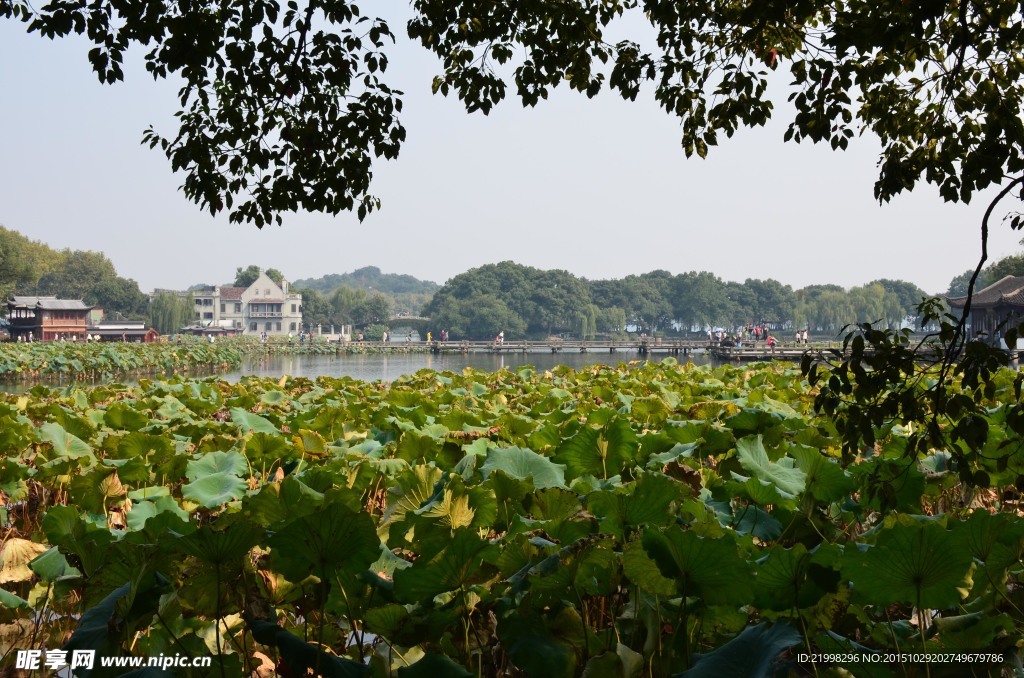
point(262, 307)
point(47, 319)
point(994, 308)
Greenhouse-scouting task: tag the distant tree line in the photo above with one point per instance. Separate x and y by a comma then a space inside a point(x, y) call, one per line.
point(407, 294)
point(994, 272)
point(32, 268)
point(529, 302)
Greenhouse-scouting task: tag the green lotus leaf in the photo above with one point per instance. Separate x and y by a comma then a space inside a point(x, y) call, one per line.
point(753, 653)
point(386, 620)
point(151, 492)
point(521, 463)
point(757, 522)
point(94, 490)
point(121, 416)
point(144, 510)
point(52, 565)
point(215, 490)
point(145, 446)
point(599, 452)
point(465, 560)
point(412, 489)
point(12, 602)
point(917, 563)
point(64, 443)
point(220, 546)
point(264, 447)
point(984, 531)
point(709, 568)
point(651, 499)
point(305, 658)
point(434, 665)
point(278, 503)
point(414, 446)
point(247, 421)
point(543, 647)
point(133, 470)
point(783, 582)
point(217, 462)
point(273, 397)
point(825, 479)
point(643, 571)
point(333, 538)
point(65, 527)
point(783, 474)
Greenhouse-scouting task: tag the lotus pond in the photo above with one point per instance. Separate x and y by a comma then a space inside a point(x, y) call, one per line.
point(644, 520)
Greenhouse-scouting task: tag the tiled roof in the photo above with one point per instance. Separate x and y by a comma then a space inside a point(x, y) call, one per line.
point(49, 303)
point(232, 293)
point(1008, 291)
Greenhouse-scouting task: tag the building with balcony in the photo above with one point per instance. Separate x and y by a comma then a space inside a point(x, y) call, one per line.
point(262, 307)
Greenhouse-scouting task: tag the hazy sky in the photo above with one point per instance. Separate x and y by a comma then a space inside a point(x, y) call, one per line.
point(598, 187)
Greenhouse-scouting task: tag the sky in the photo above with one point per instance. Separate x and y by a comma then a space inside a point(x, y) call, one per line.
point(600, 188)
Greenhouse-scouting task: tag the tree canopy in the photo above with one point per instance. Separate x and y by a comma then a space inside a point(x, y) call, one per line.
point(526, 301)
point(286, 109)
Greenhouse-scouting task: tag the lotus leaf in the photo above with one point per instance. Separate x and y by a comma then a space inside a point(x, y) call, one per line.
point(782, 474)
point(434, 665)
point(711, 569)
point(331, 539)
point(247, 421)
point(521, 463)
point(15, 557)
point(304, 657)
point(753, 653)
point(466, 559)
point(65, 444)
point(917, 563)
point(214, 490)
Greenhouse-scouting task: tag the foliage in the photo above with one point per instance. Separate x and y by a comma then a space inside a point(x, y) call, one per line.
point(102, 360)
point(286, 110)
point(639, 520)
point(524, 300)
point(245, 277)
point(370, 278)
point(169, 312)
point(32, 268)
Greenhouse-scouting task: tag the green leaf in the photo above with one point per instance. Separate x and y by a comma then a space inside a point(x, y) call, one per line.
point(434, 665)
point(64, 443)
point(753, 457)
point(302, 657)
point(217, 462)
point(213, 491)
point(334, 538)
point(247, 421)
point(913, 562)
point(709, 568)
point(825, 479)
point(463, 562)
point(521, 463)
point(752, 654)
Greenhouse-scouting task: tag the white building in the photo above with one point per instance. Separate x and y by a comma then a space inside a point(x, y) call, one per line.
point(262, 307)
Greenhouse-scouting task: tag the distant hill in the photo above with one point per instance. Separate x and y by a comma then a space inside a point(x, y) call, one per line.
point(368, 278)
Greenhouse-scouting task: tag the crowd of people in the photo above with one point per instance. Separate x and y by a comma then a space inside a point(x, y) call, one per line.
point(752, 333)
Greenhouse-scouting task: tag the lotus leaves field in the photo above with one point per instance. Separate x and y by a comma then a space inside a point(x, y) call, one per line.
point(46, 361)
point(101, 360)
point(644, 520)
